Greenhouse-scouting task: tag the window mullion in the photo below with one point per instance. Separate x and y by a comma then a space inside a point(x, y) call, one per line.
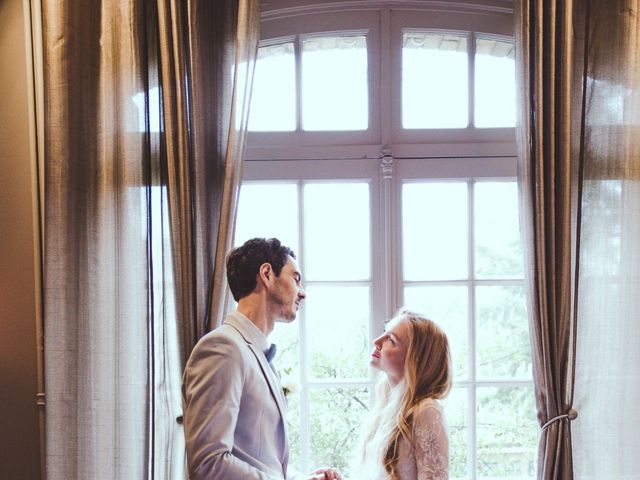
point(305, 411)
point(472, 433)
point(472, 78)
point(391, 278)
point(384, 53)
point(297, 52)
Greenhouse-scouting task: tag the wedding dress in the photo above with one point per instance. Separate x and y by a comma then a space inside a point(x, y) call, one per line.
point(424, 457)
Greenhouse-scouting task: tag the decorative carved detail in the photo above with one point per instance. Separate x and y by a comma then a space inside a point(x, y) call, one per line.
point(387, 163)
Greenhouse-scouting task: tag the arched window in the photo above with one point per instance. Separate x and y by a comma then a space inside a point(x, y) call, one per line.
point(382, 150)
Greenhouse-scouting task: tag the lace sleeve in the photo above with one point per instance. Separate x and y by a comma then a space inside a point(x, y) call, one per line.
point(431, 445)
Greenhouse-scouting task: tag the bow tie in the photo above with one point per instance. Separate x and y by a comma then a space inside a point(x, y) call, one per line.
point(270, 352)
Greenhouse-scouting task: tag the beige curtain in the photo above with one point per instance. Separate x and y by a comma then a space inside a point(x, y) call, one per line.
point(606, 444)
point(205, 130)
point(550, 46)
point(145, 108)
point(580, 194)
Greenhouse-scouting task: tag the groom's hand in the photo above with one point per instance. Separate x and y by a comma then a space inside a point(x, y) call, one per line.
point(326, 474)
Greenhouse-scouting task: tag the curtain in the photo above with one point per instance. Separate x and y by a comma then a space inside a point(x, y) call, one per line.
point(205, 97)
point(579, 170)
point(550, 50)
point(206, 126)
point(145, 109)
point(605, 437)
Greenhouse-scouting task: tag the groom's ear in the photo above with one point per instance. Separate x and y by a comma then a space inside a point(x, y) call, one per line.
point(265, 274)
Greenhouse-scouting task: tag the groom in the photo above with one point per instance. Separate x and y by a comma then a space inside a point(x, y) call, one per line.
point(234, 407)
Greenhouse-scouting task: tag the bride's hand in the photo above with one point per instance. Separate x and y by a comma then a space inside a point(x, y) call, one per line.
point(326, 474)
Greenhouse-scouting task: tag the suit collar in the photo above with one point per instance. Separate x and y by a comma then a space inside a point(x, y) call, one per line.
point(248, 330)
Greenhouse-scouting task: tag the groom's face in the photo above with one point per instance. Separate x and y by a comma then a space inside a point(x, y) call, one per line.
point(287, 293)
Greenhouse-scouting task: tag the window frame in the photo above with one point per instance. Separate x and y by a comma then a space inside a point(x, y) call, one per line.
point(499, 26)
point(297, 29)
point(383, 25)
point(386, 155)
point(470, 171)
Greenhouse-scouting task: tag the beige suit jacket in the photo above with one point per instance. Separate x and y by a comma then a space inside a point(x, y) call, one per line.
point(234, 408)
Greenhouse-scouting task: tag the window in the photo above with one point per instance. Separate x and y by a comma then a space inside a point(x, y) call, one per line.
point(462, 265)
point(325, 355)
point(334, 83)
point(494, 82)
point(333, 91)
point(434, 80)
point(273, 97)
point(395, 185)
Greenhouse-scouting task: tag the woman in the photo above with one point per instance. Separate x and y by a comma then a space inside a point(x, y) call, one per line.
point(407, 437)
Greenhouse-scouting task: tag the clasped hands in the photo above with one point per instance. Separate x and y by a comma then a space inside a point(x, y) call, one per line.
point(325, 474)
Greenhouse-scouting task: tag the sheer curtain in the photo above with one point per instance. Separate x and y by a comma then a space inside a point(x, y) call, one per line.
point(579, 172)
point(607, 388)
point(145, 108)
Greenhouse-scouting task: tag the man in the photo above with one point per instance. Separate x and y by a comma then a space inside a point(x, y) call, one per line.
point(234, 407)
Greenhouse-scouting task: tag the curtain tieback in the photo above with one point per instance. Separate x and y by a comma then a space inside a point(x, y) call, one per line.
point(571, 415)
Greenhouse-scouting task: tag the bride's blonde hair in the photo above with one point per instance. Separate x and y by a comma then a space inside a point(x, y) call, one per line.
point(427, 374)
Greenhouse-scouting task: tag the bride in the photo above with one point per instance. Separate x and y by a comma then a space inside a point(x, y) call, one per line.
point(406, 438)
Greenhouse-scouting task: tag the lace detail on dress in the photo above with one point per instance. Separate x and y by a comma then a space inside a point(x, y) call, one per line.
point(431, 445)
point(427, 457)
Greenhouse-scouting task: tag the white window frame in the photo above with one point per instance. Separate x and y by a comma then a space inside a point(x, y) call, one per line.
point(385, 155)
point(296, 29)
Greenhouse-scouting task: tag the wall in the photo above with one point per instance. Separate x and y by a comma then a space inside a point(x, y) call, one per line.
point(19, 431)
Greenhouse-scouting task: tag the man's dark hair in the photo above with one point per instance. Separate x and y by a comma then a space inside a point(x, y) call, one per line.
point(244, 262)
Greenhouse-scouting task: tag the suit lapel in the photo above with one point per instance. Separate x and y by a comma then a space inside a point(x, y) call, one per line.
point(272, 380)
point(270, 376)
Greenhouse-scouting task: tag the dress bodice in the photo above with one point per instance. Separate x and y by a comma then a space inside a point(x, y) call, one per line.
point(425, 456)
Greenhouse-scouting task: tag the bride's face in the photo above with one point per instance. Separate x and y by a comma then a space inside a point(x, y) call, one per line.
point(390, 350)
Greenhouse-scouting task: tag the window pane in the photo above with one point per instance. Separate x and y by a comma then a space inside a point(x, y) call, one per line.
point(495, 92)
point(273, 98)
point(434, 231)
point(507, 433)
point(293, 422)
point(434, 80)
point(335, 94)
point(336, 416)
point(268, 210)
point(337, 236)
point(287, 360)
point(456, 413)
point(287, 363)
point(502, 333)
point(337, 321)
point(498, 245)
point(448, 307)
